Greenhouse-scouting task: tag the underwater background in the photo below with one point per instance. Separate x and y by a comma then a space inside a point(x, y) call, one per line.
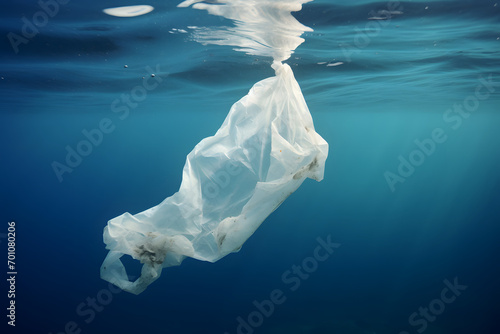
point(407, 95)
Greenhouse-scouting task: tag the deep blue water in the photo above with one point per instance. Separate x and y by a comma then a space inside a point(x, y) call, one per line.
point(430, 75)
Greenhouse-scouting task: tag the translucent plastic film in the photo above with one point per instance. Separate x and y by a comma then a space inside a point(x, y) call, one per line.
point(231, 182)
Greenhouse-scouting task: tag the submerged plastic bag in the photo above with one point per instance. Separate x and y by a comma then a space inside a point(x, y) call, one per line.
point(231, 183)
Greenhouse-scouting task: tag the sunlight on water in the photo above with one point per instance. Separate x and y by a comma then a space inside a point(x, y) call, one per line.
point(261, 28)
point(128, 11)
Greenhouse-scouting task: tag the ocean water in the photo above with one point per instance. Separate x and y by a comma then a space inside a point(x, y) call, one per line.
point(407, 95)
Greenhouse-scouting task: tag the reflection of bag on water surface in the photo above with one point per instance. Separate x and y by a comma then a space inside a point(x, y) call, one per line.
point(231, 182)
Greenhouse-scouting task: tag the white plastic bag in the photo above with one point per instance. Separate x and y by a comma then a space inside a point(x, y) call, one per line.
point(231, 182)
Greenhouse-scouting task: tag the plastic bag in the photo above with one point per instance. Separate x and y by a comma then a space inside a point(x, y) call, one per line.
point(231, 182)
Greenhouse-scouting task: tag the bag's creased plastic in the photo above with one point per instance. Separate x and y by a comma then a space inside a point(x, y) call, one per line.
point(231, 183)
